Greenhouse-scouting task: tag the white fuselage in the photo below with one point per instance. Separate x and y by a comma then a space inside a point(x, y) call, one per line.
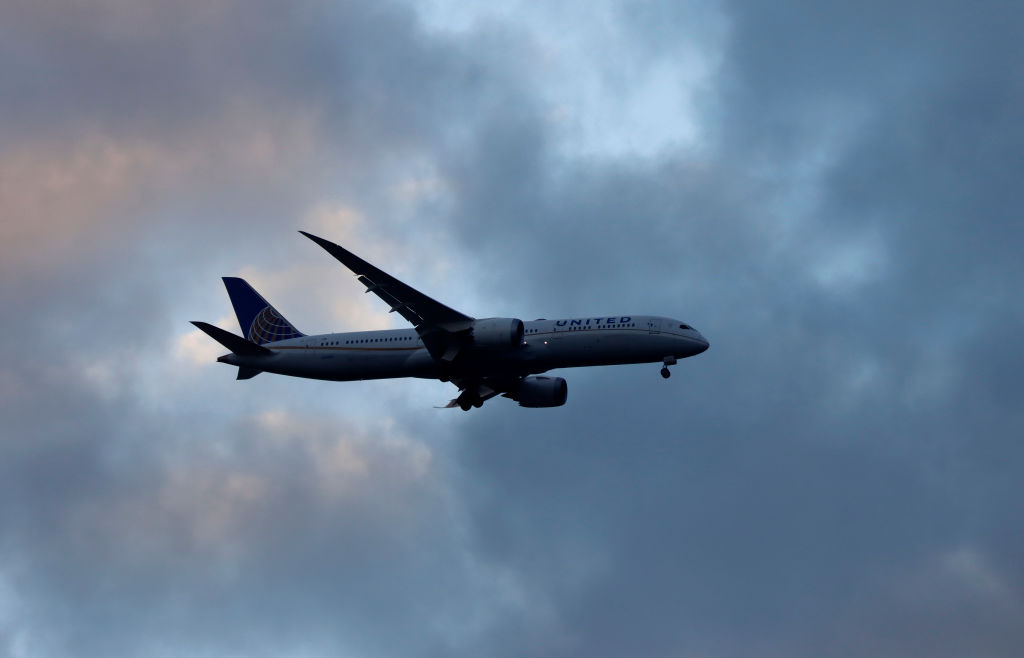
point(547, 344)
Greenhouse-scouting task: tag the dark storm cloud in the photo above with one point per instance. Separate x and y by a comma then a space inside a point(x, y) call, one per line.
point(838, 474)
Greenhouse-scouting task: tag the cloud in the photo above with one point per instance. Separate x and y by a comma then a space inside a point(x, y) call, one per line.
point(266, 516)
point(827, 193)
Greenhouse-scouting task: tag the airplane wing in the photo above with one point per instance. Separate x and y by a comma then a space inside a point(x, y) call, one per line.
point(423, 312)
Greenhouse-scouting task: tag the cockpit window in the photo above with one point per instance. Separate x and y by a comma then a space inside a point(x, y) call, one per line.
point(686, 326)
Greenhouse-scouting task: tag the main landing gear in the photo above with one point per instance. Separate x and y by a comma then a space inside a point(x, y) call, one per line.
point(668, 361)
point(468, 400)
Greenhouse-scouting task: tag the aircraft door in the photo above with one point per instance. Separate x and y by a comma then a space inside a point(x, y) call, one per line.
point(653, 326)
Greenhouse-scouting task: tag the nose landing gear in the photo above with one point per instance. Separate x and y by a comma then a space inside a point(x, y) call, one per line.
point(668, 361)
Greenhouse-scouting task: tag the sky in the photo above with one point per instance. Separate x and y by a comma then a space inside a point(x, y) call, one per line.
point(829, 192)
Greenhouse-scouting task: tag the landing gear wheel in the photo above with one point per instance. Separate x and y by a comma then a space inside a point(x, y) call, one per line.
point(668, 361)
point(467, 401)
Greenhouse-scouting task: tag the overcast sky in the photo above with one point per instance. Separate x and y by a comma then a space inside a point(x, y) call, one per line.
point(830, 192)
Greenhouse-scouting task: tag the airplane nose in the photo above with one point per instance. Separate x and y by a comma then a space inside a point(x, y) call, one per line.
point(704, 343)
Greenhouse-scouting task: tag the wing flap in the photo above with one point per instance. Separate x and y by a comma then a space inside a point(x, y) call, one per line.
point(474, 392)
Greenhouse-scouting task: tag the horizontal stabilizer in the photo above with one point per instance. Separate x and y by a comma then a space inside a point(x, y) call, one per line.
point(236, 344)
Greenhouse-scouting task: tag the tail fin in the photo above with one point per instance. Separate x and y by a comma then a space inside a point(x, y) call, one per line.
point(260, 322)
point(236, 344)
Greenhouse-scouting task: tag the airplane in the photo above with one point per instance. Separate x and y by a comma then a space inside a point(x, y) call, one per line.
point(483, 357)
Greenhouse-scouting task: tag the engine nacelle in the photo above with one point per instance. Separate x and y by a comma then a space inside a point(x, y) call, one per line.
point(542, 392)
point(498, 333)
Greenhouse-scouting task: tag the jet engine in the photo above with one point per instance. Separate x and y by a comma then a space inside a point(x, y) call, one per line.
point(498, 333)
point(542, 392)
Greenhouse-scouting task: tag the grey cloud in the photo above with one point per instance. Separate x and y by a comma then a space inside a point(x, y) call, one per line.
point(248, 538)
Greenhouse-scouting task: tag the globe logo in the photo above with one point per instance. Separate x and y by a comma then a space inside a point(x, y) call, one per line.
point(268, 326)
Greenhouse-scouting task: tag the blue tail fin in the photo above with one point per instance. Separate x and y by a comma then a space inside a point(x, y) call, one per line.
point(260, 322)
